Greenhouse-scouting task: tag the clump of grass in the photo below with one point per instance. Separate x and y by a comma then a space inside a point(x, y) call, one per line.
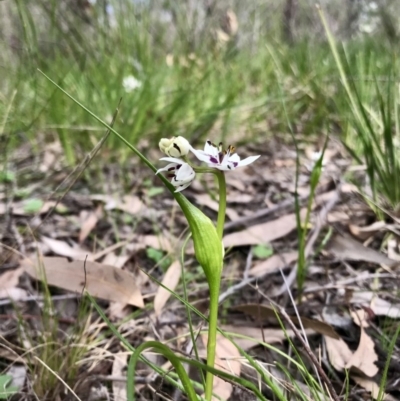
point(190, 83)
point(373, 133)
point(52, 355)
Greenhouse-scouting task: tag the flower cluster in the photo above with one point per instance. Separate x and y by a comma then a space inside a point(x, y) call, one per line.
point(182, 173)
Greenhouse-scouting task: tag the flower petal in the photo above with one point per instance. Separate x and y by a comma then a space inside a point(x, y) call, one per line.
point(221, 167)
point(182, 187)
point(201, 155)
point(168, 167)
point(184, 174)
point(175, 146)
point(211, 149)
point(173, 160)
point(248, 160)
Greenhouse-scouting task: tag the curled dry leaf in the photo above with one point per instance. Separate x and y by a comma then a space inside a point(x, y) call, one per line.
point(227, 358)
point(100, 280)
point(363, 233)
point(170, 281)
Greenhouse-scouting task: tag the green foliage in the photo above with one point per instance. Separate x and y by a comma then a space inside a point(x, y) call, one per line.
point(6, 391)
point(263, 251)
point(158, 257)
point(194, 89)
point(33, 205)
point(371, 111)
point(7, 176)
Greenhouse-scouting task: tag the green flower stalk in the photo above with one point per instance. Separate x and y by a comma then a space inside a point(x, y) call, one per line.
point(206, 237)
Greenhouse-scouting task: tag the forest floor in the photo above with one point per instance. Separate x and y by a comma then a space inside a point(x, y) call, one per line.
point(117, 232)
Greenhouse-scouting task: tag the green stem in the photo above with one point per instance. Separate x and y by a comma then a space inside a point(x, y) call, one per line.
point(212, 337)
point(222, 204)
point(164, 350)
point(214, 291)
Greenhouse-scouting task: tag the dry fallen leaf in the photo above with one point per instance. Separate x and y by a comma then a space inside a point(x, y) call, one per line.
point(227, 359)
point(8, 285)
point(264, 311)
point(100, 280)
point(263, 233)
point(205, 200)
point(273, 264)
point(338, 352)
point(157, 242)
point(345, 247)
point(115, 260)
point(128, 203)
point(364, 358)
point(63, 249)
point(16, 294)
point(170, 280)
point(10, 278)
point(393, 249)
point(379, 306)
point(364, 233)
point(89, 223)
point(250, 337)
point(372, 387)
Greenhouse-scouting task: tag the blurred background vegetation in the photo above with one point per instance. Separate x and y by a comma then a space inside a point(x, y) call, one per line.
point(196, 68)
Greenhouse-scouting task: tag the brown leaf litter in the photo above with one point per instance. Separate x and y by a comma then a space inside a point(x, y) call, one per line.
point(349, 304)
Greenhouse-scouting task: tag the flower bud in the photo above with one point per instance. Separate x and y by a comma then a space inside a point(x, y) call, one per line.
point(174, 147)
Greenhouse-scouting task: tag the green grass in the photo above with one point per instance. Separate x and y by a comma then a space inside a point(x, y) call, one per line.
point(194, 86)
point(209, 90)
